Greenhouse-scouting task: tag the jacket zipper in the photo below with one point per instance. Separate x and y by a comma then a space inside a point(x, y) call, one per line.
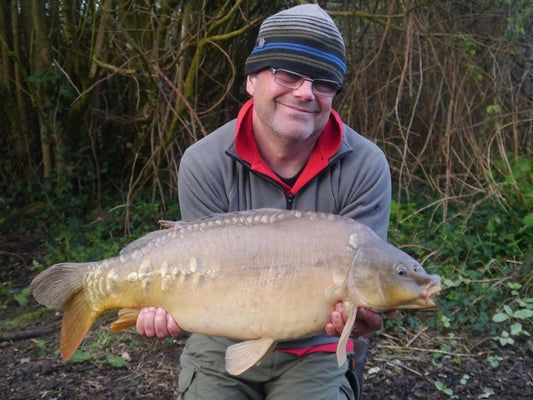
point(290, 198)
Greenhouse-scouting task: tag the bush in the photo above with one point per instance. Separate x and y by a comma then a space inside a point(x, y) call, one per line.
point(479, 250)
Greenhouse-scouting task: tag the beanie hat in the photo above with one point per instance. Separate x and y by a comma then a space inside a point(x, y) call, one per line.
point(303, 39)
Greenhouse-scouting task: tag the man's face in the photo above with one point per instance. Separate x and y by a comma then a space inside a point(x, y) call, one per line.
point(292, 115)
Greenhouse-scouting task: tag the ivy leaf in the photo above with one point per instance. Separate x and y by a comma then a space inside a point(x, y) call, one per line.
point(500, 317)
point(523, 313)
point(516, 329)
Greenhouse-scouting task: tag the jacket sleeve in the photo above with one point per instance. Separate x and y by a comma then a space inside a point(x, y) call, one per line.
point(366, 187)
point(201, 187)
point(372, 206)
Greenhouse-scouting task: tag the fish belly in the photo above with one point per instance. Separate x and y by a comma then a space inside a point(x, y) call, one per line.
point(236, 307)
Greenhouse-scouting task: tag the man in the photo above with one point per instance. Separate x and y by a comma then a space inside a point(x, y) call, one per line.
point(286, 149)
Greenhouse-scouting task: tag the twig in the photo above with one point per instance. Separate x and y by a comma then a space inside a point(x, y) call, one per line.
point(28, 334)
point(415, 337)
point(422, 350)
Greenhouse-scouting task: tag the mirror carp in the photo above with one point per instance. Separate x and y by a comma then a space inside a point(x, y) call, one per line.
point(261, 276)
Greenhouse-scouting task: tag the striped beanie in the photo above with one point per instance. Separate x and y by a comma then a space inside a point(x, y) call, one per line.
point(303, 39)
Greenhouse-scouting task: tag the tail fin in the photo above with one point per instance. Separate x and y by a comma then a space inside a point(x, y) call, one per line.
point(77, 320)
point(61, 287)
point(55, 286)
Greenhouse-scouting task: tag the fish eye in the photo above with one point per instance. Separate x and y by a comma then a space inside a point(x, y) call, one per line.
point(401, 270)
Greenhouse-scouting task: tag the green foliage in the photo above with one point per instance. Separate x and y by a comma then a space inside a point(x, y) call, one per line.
point(479, 252)
point(23, 319)
point(81, 356)
point(494, 361)
point(446, 390)
point(22, 297)
point(7, 295)
point(507, 316)
point(97, 351)
point(115, 361)
point(72, 227)
point(43, 346)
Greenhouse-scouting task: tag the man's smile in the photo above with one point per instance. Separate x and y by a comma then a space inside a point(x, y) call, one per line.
point(297, 108)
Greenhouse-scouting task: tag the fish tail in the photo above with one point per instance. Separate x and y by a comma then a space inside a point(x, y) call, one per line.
point(55, 286)
point(77, 319)
point(61, 287)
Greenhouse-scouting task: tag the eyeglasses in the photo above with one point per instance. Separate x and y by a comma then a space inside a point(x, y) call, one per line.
point(292, 80)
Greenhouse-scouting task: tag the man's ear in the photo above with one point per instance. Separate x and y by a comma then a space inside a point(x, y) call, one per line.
point(251, 79)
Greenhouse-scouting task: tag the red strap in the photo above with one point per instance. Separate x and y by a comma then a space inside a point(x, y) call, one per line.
point(327, 347)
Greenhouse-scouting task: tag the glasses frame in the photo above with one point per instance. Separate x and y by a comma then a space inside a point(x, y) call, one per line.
point(300, 82)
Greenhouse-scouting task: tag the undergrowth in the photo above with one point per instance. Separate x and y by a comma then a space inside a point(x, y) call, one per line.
point(69, 225)
point(483, 252)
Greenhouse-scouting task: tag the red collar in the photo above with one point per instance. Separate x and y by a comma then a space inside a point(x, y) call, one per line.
point(246, 148)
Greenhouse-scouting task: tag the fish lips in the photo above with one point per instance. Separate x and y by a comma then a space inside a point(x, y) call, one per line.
point(431, 290)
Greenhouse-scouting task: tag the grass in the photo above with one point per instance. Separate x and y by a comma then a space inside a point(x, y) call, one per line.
point(23, 318)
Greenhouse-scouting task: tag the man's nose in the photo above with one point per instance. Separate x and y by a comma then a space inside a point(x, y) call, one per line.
point(305, 90)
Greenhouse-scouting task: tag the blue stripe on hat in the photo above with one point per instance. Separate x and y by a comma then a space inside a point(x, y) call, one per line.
point(304, 49)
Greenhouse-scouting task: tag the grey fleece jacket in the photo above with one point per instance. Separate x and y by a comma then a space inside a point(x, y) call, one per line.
point(214, 179)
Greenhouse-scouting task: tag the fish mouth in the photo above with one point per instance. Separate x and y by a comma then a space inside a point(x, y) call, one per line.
point(428, 294)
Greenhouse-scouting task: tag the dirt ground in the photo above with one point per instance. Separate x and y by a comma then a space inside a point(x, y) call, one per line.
point(403, 365)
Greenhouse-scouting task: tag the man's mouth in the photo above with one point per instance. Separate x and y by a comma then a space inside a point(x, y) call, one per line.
point(298, 108)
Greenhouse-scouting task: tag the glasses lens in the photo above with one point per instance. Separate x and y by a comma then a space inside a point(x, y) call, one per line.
point(325, 88)
point(288, 79)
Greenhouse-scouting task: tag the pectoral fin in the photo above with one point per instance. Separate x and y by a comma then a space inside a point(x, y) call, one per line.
point(341, 349)
point(126, 317)
point(244, 355)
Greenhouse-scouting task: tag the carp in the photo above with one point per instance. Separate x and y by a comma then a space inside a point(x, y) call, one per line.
point(261, 276)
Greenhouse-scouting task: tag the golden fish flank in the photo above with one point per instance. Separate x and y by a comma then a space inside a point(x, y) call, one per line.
point(240, 276)
point(166, 276)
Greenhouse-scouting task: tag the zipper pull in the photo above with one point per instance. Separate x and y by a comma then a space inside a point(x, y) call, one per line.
point(289, 201)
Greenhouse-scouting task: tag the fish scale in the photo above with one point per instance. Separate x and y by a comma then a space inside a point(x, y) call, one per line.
point(261, 276)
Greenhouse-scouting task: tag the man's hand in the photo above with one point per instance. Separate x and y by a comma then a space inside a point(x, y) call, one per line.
point(156, 322)
point(366, 321)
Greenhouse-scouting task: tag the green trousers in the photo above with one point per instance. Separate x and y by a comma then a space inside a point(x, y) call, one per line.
point(280, 376)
